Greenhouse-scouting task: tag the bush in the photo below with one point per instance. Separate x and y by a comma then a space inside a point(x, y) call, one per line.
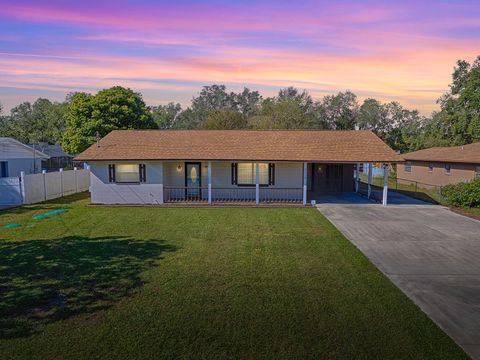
point(463, 194)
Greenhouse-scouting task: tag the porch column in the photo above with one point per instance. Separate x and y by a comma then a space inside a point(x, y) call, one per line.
point(370, 165)
point(209, 183)
point(385, 184)
point(162, 177)
point(257, 183)
point(357, 177)
point(304, 183)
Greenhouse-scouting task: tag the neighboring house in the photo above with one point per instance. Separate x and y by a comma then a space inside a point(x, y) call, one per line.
point(16, 157)
point(212, 166)
point(58, 159)
point(440, 166)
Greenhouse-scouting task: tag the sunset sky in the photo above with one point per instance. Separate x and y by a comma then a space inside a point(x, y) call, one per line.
point(167, 50)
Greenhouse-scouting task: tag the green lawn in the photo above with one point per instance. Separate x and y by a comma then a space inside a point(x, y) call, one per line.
point(151, 283)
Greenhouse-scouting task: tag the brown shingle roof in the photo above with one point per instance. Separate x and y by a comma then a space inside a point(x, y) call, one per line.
point(273, 145)
point(457, 154)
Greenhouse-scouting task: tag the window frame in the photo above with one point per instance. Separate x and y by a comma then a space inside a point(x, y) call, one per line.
point(270, 172)
point(3, 169)
point(113, 173)
point(407, 167)
point(448, 168)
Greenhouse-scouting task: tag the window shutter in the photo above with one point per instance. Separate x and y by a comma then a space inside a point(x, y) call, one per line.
point(111, 173)
point(143, 172)
point(234, 173)
point(271, 174)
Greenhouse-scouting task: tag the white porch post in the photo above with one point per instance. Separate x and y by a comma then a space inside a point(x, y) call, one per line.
point(209, 183)
point(304, 183)
point(257, 183)
point(357, 177)
point(385, 185)
point(162, 200)
point(370, 165)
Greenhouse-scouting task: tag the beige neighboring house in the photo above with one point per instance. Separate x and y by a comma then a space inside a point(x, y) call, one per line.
point(441, 166)
point(224, 166)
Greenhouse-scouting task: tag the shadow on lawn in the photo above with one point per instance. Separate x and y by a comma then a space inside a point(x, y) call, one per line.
point(43, 281)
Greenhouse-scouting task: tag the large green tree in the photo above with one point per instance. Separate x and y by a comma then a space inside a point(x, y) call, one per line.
point(281, 114)
point(42, 121)
point(340, 110)
point(89, 116)
point(458, 122)
point(165, 115)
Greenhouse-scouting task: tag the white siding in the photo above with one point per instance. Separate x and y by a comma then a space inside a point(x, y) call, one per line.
point(287, 175)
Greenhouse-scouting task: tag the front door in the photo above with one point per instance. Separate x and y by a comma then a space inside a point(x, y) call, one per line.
point(193, 180)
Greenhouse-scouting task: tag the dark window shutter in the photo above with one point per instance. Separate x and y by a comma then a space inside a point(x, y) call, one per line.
point(111, 172)
point(271, 174)
point(143, 172)
point(4, 170)
point(234, 173)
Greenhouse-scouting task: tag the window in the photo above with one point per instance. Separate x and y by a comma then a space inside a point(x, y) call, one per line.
point(244, 174)
point(3, 169)
point(408, 166)
point(126, 173)
point(430, 167)
point(448, 167)
point(477, 171)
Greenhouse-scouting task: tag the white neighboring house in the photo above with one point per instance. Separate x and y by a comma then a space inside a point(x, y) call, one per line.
point(16, 157)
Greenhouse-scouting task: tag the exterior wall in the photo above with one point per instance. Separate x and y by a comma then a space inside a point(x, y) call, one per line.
point(15, 166)
point(438, 176)
point(287, 175)
point(103, 192)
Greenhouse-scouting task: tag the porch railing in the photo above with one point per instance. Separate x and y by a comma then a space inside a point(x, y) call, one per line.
point(281, 195)
point(184, 194)
point(232, 195)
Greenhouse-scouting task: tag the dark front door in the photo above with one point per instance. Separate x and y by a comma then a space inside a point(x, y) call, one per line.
point(327, 178)
point(193, 180)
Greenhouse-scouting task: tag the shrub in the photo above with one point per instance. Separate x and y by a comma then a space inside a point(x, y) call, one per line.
point(463, 194)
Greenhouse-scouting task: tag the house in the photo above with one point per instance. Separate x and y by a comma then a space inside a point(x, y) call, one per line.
point(58, 159)
point(441, 166)
point(226, 166)
point(16, 157)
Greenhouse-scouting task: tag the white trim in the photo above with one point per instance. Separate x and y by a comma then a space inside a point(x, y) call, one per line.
point(257, 183)
point(304, 183)
point(385, 185)
point(370, 170)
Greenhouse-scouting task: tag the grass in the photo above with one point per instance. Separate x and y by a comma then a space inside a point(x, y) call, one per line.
point(133, 282)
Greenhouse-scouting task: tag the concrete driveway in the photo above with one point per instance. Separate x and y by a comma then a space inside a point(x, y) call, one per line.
point(429, 252)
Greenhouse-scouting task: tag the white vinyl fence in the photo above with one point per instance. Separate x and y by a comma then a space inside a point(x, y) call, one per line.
point(34, 188)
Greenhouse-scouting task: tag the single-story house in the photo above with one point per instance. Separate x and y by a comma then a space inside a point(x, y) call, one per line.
point(224, 166)
point(439, 166)
point(58, 159)
point(16, 157)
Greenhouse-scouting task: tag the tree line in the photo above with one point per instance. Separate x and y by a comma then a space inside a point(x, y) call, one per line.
point(77, 122)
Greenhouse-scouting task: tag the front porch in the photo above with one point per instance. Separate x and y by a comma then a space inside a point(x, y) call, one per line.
point(194, 182)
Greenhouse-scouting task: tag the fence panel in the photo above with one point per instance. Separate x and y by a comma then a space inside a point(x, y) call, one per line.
point(47, 186)
point(10, 191)
point(34, 188)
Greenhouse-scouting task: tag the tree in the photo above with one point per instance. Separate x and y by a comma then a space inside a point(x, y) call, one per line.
point(458, 122)
point(302, 98)
point(284, 114)
point(224, 120)
point(165, 115)
point(341, 110)
point(91, 115)
point(247, 103)
point(41, 122)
